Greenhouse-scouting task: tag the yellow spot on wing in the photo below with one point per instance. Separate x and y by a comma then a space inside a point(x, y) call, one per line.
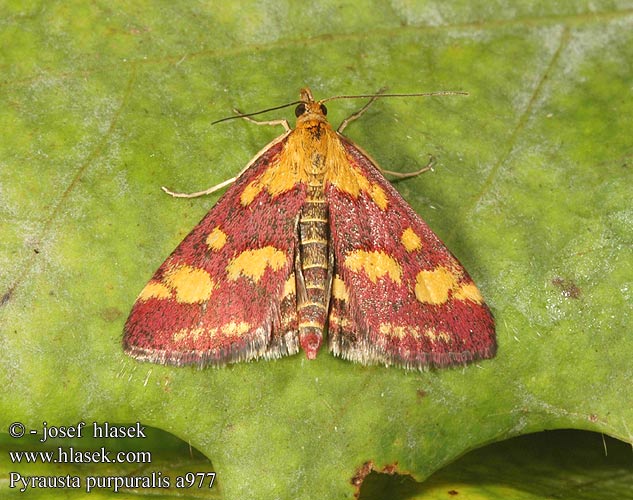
point(250, 192)
point(154, 290)
point(469, 292)
point(339, 291)
point(399, 331)
point(432, 287)
point(374, 264)
point(192, 285)
point(410, 240)
point(186, 333)
point(436, 337)
point(253, 263)
point(231, 329)
point(379, 196)
point(234, 329)
point(216, 239)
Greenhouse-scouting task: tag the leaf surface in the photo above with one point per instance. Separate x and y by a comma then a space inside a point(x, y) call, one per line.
point(102, 104)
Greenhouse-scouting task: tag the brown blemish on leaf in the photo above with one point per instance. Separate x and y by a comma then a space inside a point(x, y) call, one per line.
point(361, 474)
point(364, 470)
point(7, 296)
point(568, 288)
point(110, 314)
point(390, 468)
point(453, 492)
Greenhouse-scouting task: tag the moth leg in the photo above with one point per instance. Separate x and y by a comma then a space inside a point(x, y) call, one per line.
point(360, 112)
point(230, 181)
point(406, 175)
point(212, 189)
point(283, 122)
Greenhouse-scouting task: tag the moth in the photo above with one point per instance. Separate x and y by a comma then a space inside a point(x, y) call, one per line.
point(311, 238)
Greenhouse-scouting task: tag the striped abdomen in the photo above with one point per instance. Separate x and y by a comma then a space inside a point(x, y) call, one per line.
point(314, 270)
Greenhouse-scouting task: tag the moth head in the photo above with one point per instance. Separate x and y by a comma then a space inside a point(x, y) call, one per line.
point(308, 108)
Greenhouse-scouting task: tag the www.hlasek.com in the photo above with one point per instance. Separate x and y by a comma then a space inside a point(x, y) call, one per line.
point(71, 455)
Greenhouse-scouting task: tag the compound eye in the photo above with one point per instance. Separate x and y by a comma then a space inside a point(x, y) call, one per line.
point(323, 109)
point(300, 109)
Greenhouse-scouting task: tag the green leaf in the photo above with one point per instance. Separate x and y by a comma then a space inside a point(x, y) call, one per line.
point(572, 465)
point(102, 103)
